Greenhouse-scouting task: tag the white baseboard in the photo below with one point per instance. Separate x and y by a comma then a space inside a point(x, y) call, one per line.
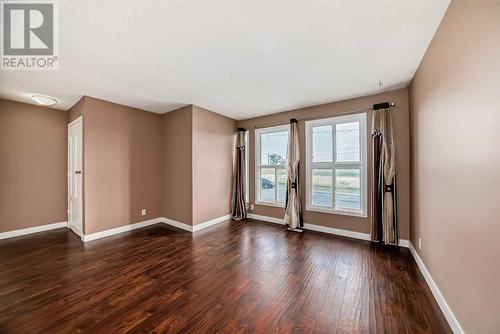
point(121, 229)
point(174, 223)
point(177, 224)
point(404, 243)
point(197, 227)
point(76, 231)
point(212, 222)
point(186, 227)
point(443, 305)
point(324, 229)
point(338, 231)
point(266, 219)
point(30, 230)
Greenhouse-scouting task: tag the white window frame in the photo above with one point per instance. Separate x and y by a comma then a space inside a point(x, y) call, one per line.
point(258, 166)
point(247, 168)
point(362, 165)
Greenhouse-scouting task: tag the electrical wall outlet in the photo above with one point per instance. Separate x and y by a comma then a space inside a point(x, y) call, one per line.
point(419, 243)
point(143, 212)
point(251, 206)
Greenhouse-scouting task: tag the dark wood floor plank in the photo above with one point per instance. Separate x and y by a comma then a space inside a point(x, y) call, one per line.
point(246, 277)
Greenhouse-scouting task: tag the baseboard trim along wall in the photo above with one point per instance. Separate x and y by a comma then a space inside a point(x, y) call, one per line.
point(121, 229)
point(177, 224)
point(163, 220)
point(197, 227)
point(266, 219)
point(30, 230)
point(337, 231)
point(443, 305)
point(211, 222)
point(186, 227)
point(324, 229)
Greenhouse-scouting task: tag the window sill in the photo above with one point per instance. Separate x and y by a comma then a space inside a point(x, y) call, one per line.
point(337, 212)
point(277, 205)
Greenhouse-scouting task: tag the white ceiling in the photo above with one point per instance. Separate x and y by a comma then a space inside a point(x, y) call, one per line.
point(239, 59)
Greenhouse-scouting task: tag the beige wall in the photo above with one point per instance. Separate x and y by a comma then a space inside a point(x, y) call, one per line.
point(197, 164)
point(76, 110)
point(33, 163)
point(177, 165)
point(400, 115)
point(456, 162)
point(122, 165)
point(213, 149)
point(177, 174)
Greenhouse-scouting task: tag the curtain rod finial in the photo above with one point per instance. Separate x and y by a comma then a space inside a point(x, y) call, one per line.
point(383, 105)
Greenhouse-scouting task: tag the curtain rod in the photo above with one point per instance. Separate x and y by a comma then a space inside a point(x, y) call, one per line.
point(377, 106)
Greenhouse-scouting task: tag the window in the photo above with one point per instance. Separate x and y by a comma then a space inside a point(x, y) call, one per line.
point(270, 159)
point(336, 178)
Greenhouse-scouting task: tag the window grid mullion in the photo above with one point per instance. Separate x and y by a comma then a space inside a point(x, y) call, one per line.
point(334, 143)
point(349, 165)
point(276, 185)
point(322, 165)
point(334, 168)
point(259, 176)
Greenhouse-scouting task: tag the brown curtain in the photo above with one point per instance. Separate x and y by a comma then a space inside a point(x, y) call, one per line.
point(383, 208)
point(239, 180)
point(293, 209)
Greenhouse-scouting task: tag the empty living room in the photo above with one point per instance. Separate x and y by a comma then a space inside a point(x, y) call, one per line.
point(248, 166)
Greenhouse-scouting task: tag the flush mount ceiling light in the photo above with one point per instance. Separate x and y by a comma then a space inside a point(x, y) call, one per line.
point(44, 99)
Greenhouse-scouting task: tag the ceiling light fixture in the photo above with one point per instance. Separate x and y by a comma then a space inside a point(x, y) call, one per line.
point(44, 99)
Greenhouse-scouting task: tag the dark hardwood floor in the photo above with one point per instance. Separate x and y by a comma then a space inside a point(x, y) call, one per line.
point(235, 277)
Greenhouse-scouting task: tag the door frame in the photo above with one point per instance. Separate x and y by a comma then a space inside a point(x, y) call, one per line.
point(69, 174)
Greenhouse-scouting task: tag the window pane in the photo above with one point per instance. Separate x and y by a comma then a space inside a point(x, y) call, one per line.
point(322, 187)
point(322, 144)
point(347, 189)
point(347, 137)
point(267, 182)
point(282, 181)
point(273, 147)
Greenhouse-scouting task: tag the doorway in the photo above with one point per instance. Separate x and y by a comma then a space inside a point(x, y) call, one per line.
point(75, 193)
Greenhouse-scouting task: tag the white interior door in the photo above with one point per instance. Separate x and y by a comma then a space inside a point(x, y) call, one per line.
point(75, 194)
